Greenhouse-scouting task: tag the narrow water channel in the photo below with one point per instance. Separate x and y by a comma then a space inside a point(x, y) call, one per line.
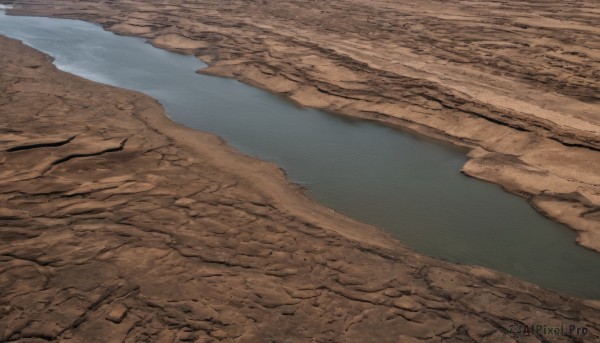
point(408, 185)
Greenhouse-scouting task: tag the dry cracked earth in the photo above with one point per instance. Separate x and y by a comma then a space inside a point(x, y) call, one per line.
point(518, 81)
point(117, 225)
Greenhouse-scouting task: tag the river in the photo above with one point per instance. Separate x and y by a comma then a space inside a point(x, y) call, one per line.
point(406, 184)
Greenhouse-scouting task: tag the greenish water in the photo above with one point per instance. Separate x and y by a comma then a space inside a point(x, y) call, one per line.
point(405, 184)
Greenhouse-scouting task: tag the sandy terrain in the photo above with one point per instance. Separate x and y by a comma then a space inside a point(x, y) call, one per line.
point(118, 225)
point(517, 81)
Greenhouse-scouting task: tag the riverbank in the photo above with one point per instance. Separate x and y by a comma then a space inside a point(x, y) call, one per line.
point(118, 223)
point(452, 74)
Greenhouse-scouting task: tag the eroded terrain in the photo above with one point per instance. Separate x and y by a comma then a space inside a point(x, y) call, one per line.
point(516, 80)
point(117, 225)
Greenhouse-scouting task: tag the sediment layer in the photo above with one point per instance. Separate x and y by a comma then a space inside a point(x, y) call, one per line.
point(118, 225)
point(517, 81)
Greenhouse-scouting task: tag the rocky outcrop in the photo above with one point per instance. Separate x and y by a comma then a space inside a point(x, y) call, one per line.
point(117, 225)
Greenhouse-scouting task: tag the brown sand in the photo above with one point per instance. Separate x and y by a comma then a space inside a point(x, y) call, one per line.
point(118, 225)
point(516, 80)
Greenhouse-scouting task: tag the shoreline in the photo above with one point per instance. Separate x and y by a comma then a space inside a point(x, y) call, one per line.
point(533, 170)
point(587, 234)
point(266, 176)
point(117, 234)
point(104, 229)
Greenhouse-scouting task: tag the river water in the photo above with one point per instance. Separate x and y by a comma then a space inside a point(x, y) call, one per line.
point(408, 185)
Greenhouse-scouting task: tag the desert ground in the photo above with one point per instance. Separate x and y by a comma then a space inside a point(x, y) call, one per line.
point(517, 81)
point(118, 225)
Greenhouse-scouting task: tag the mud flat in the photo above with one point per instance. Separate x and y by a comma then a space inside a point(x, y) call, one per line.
point(120, 225)
point(515, 81)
